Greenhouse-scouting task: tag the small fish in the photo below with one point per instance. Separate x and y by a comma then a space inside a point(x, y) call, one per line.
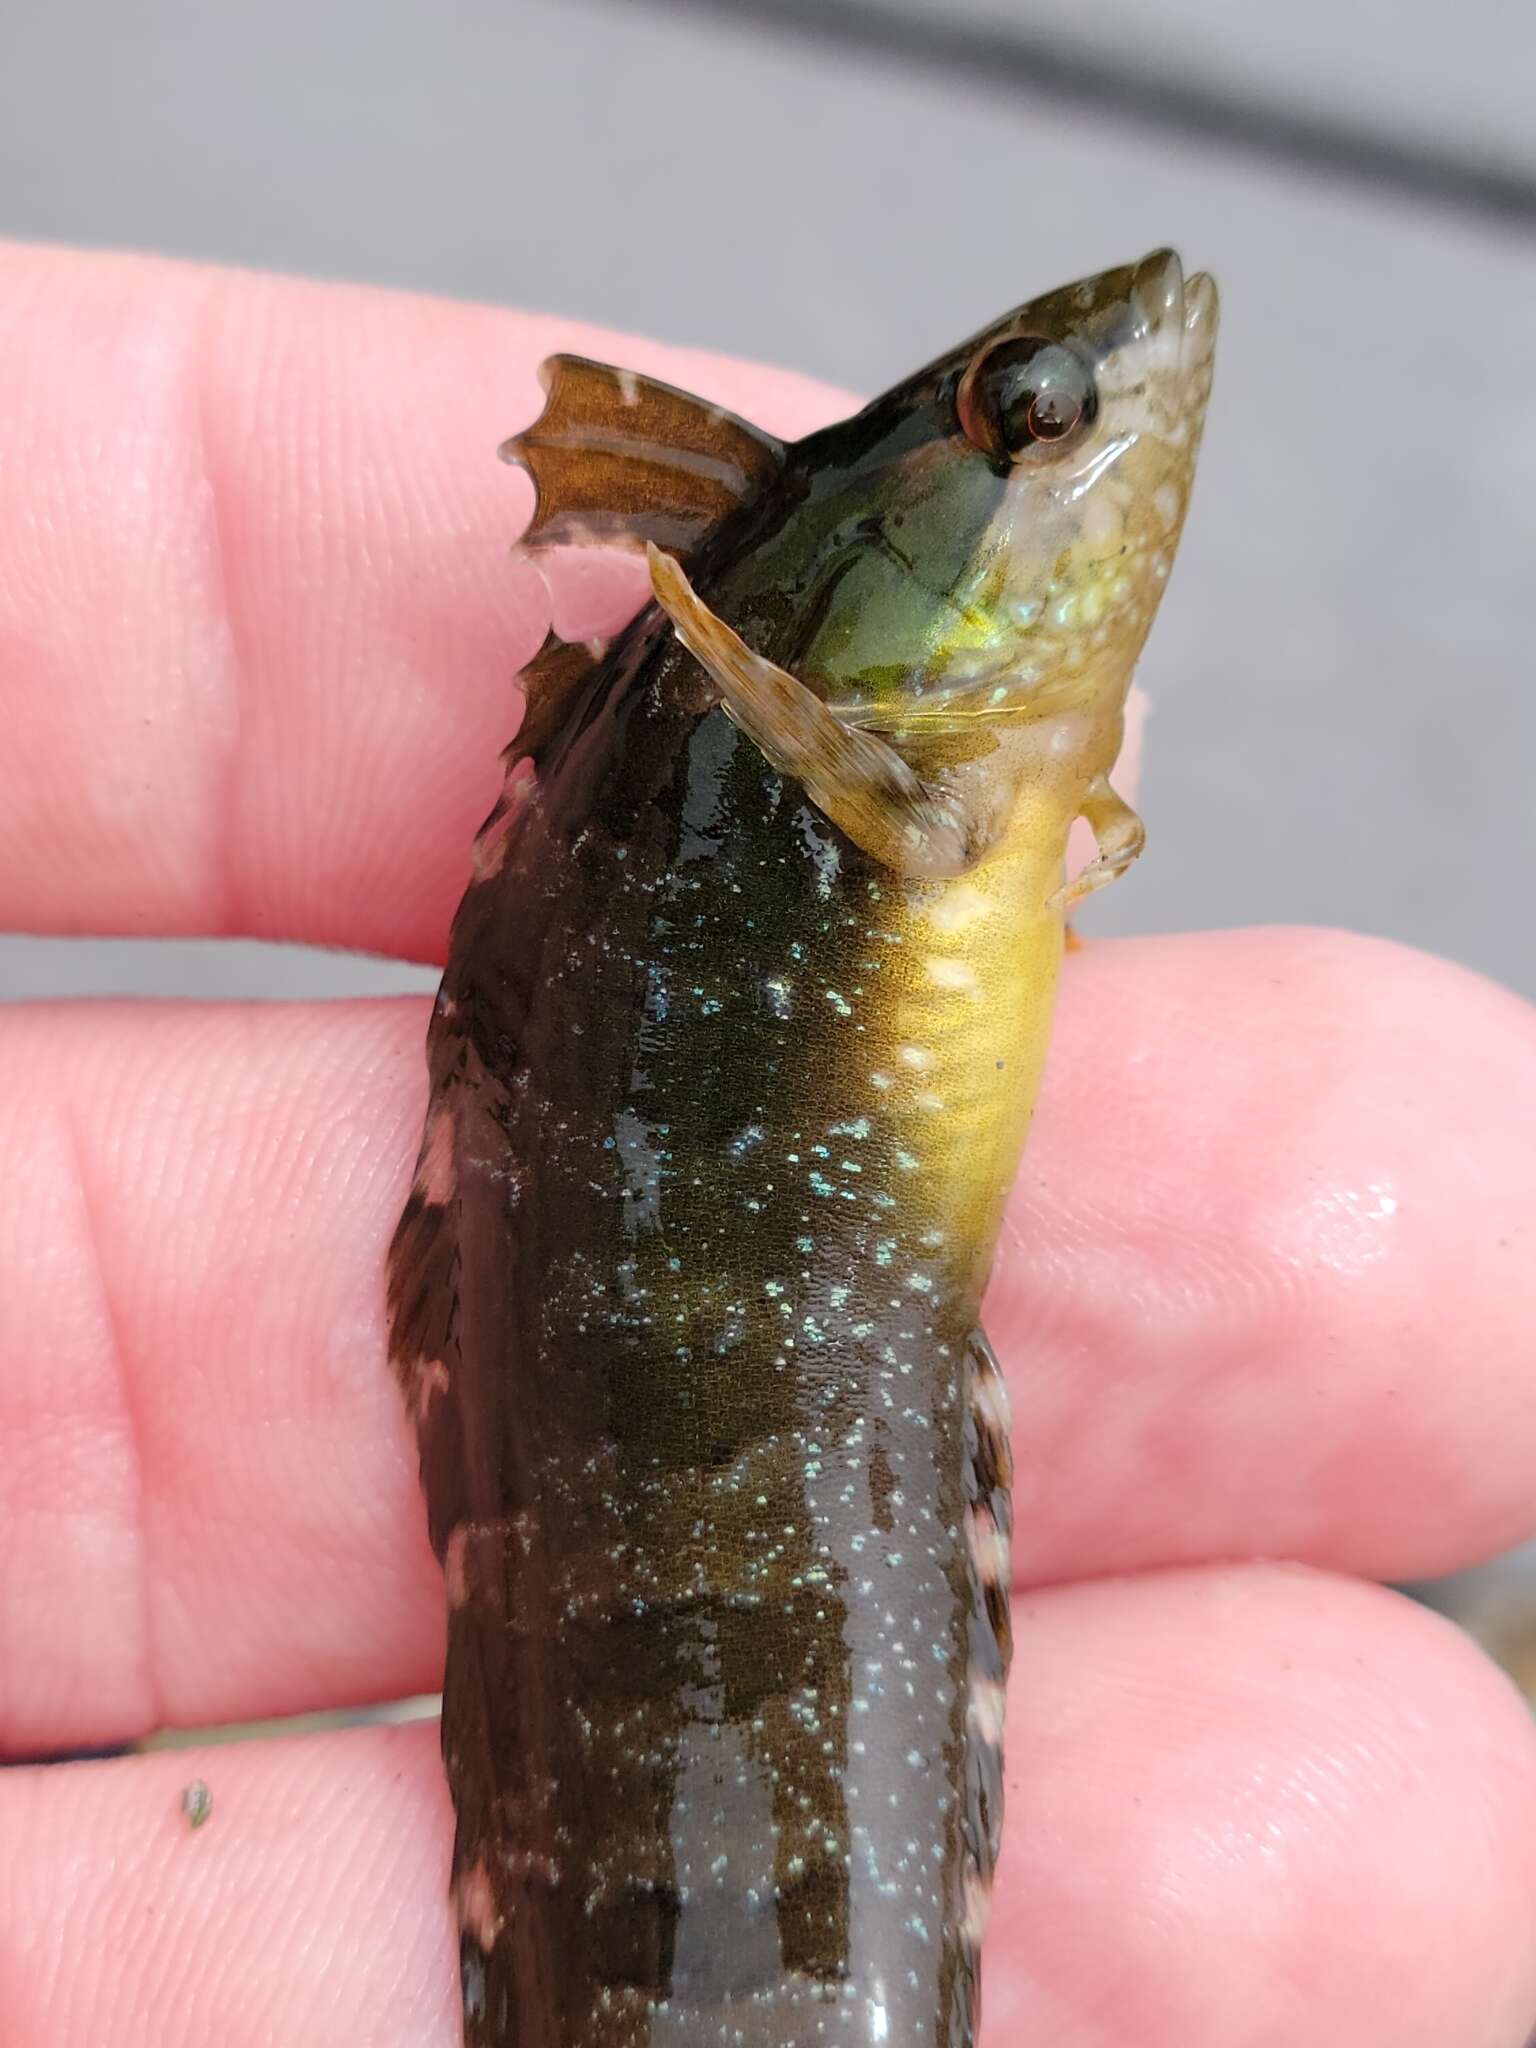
point(731, 1069)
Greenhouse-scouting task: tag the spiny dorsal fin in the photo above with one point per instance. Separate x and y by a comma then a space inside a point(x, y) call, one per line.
point(618, 459)
point(549, 682)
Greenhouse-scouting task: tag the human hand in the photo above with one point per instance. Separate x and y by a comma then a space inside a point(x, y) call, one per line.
point(1265, 1290)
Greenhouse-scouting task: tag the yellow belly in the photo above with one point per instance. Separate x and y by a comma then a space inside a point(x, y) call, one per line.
point(964, 1030)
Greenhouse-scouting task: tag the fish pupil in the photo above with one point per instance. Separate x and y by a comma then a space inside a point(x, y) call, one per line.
point(1023, 395)
point(1052, 414)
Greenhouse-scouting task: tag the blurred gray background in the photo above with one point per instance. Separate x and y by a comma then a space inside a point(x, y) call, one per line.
point(1343, 680)
point(1342, 676)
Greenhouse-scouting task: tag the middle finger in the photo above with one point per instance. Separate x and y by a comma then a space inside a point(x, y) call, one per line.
point(1258, 1294)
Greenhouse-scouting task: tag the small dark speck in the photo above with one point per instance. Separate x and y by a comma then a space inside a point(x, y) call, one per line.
point(196, 1803)
point(1000, 1065)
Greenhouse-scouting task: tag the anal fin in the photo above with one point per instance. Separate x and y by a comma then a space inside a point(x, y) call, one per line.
point(989, 1519)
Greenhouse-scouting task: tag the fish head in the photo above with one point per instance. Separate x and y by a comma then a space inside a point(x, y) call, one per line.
point(990, 539)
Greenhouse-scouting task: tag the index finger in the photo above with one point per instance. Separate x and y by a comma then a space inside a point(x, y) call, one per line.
point(259, 626)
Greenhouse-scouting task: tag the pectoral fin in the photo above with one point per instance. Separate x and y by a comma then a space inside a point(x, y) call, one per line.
point(618, 459)
point(857, 779)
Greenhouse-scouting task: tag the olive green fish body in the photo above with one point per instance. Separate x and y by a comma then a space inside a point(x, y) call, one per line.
point(725, 1110)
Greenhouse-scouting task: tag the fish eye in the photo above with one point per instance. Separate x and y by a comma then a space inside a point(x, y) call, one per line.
point(1026, 397)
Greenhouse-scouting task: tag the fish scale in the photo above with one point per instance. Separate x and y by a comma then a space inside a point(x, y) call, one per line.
point(733, 1060)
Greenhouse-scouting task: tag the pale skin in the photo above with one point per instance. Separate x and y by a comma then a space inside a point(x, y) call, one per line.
point(1266, 1288)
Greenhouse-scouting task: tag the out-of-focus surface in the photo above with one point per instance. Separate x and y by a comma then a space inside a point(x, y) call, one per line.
point(1343, 680)
point(1401, 78)
point(1497, 1605)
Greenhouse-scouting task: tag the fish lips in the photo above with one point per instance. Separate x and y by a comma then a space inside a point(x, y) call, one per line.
point(1171, 308)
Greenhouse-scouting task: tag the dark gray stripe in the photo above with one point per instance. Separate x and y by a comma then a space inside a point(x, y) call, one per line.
point(1020, 59)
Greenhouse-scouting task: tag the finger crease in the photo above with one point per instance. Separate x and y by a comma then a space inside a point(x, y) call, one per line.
point(226, 856)
point(132, 1421)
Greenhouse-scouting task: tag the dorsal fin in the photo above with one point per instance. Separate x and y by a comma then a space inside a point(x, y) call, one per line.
point(548, 682)
point(619, 460)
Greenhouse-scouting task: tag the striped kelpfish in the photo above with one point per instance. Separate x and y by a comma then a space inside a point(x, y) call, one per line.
point(730, 1073)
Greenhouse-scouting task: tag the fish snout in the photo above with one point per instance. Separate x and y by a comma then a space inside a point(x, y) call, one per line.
point(1174, 310)
point(1157, 292)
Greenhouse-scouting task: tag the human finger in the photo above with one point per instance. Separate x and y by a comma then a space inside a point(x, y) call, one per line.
point(259, 625)
point(1247, 1806)
point(1260, 1293)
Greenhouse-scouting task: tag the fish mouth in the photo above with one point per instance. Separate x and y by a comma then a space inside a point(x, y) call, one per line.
point(1174, 311)
point(1202, 313)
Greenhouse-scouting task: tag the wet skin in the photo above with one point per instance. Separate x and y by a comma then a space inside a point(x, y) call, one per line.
point(726, 1106)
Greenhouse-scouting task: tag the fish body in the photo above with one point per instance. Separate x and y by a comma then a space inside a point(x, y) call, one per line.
point(731, 1069)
